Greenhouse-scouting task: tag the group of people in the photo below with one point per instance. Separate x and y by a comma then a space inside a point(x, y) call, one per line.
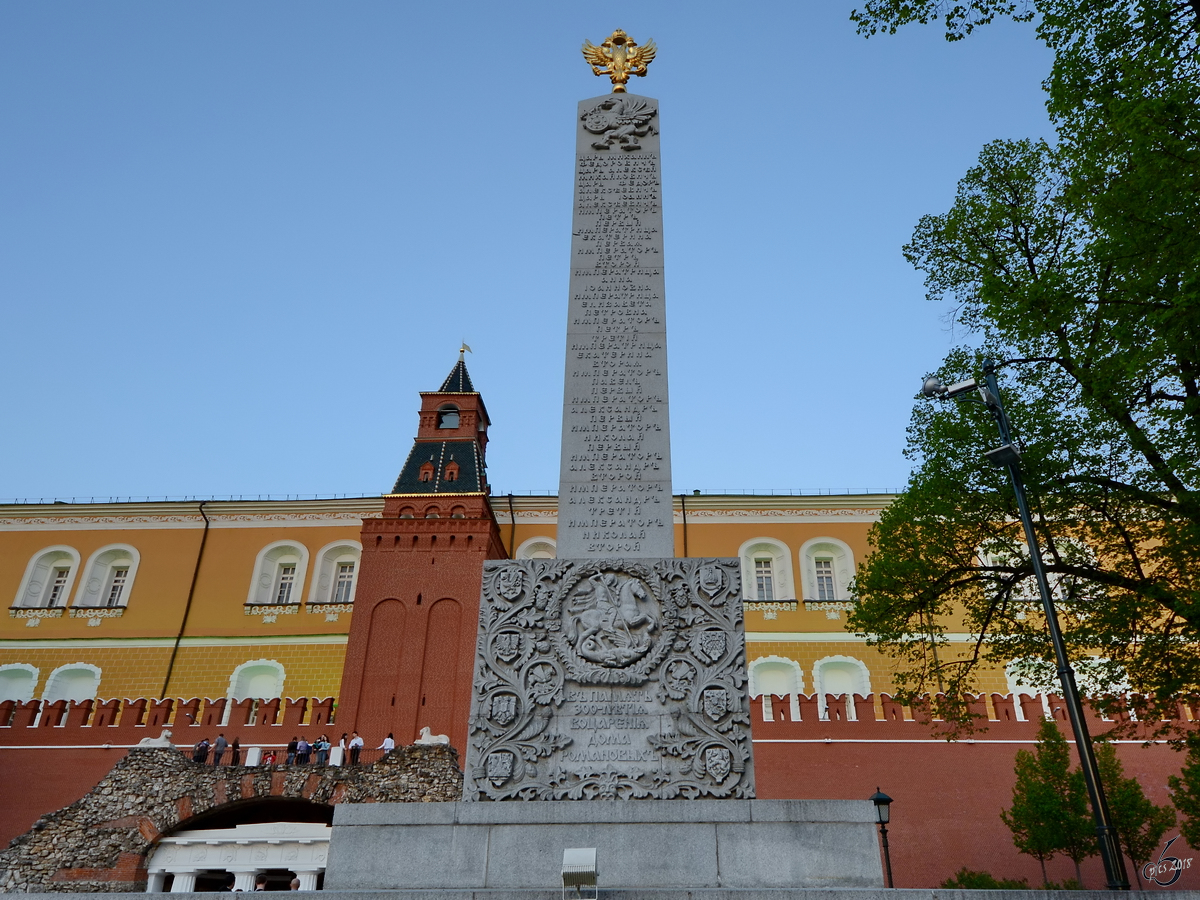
point(260, 883)
point(218, 747)
point(299, 751)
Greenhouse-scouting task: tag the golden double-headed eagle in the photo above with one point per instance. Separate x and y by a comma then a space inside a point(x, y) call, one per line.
point(618, 58)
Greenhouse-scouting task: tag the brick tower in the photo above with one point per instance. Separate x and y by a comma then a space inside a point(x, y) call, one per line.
point(411, 652)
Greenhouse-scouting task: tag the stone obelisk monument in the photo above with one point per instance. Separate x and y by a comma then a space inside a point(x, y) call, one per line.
point(614, 495)
point(616, 672)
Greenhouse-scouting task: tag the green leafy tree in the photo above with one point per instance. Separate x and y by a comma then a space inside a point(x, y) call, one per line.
point(1185, 791)
point(1049, 813)
point(1078, 264)
point(1140, 823)
point(962, 18)
point(967, 879)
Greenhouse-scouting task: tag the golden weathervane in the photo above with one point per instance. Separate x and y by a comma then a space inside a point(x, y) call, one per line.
point(618, 58)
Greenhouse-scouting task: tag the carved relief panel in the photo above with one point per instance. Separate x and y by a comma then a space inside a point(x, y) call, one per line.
point(610, 679)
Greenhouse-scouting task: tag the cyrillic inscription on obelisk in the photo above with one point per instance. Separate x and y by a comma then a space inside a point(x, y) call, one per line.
point(615, 486)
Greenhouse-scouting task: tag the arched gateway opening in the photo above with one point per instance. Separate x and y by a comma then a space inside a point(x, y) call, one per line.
point(274, 839)
point(159, 821)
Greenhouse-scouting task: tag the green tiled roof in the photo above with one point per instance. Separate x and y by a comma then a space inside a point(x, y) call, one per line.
point(471, 475)
point(458, 381)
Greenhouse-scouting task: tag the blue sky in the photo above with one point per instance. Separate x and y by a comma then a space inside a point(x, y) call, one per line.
point(236, 239)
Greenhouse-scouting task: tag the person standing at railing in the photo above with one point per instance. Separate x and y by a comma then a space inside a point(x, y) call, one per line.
point(356, 745)
point(200, 751)
point(235, 755)
point(322, 748)
point(303, 748)
point(291, 751)
point(219, 746)
point(388, 745)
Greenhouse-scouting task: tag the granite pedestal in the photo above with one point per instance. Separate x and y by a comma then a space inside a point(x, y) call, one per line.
point(679, 844)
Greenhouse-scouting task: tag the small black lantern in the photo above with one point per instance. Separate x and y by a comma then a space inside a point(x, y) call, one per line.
point(883, 805)
point(883, 812)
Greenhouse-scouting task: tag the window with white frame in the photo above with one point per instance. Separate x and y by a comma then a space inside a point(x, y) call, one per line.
point(343, 587)
point(108, 577)
point(279, 574)
point(824, 568)
point(766, 570)
point(335, 575)
point(840, 676)
point(775, 675)
point(257, 679)
point(48, 579)
point(537, 548)
point(284, 582)
point(18, 681)
point(56, 587)
point(827, 565)
point(764, 580)
point(1006, 559)
point(78, 682)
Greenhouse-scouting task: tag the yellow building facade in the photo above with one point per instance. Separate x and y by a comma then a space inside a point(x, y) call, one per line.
point(254, 599)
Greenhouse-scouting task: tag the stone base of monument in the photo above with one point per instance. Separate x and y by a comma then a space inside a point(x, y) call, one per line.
point(737, 845)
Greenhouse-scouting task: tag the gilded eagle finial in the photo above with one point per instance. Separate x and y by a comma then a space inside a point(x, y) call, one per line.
point(618, 58)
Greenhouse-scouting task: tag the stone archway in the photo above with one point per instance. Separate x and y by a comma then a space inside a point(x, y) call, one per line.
point(101, 841)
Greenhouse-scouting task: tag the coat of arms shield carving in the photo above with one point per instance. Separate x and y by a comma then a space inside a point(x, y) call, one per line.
point(610, 679)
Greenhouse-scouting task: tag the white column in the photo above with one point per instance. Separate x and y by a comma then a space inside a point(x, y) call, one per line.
point(335, 756)
point(244, 881)
point(185, 882)
point(154, 883)
point(308, 880)
point(253, 756)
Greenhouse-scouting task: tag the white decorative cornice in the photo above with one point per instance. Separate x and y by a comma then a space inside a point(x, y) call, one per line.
point(186, 515)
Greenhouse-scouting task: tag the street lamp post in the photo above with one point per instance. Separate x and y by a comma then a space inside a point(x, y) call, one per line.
point(883, 805)
point(1007, 456)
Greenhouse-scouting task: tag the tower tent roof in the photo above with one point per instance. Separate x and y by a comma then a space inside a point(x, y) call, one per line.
point(439, 456)
point(458, 381)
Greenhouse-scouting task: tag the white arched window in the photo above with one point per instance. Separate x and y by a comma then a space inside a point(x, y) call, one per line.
point(840, 675)
point(18, 681)
point(766, 571)
point(1066, 589)
point(108, 577)
point(1031, 677)
point(775, 675)
point(77, 681)
point(257, 679)
point(828, 567)
point(279, 574)
point(1025, 590)
point(335, 575)
point(48, 579)
point(537, 548)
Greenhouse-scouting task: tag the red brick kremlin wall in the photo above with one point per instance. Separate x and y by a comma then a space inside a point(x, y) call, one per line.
point(948, 795)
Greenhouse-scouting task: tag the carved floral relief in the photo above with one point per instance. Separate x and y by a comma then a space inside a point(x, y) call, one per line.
point(610, 679)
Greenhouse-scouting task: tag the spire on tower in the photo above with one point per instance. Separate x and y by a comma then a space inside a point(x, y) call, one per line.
point(458, 381)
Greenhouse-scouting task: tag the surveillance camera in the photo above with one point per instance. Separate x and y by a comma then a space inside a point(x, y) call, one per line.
point(961, 387)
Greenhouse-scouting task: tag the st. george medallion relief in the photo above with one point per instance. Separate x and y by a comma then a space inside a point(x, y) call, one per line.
point(610, 679)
